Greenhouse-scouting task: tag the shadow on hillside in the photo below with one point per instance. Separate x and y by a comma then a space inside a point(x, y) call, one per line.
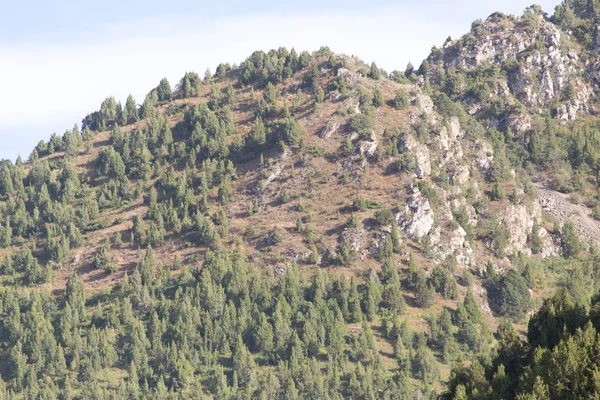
point(380, 331)
point(102, 143)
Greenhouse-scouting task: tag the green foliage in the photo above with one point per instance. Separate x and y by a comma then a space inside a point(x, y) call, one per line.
point(375, 72)
point(570, 243)
point(352, 221)
point(320, 96)
point(428, 191)
point(535, 241)
point(130, 113)
point(163, 91)
point(422, 287)
point(497, 192)
point(189, 85)
point(220, 328)
point(362, 124)
point(365, 99)
point(510, 295)
point(392, 298)
point(275, 236)
point(558, 365)
point(384, 217)
point(378, 100)
point(103, 259)
point(401, 100)
point(346, 254)
point(285, 130)
point(558, 318)
point(444, 283)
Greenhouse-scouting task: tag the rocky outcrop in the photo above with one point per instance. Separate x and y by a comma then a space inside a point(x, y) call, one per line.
point(276, 169)
point(353, 104)
point(425, 103)
point(368, 147)
point(518, 220)
point(421, 154)
point(540, 67)
point(518, 123)
point(356, 238)
point(351, 78)
point(484, 156)
point(418, 218)
point(453, 243)
point(331, 127)
point(459, 174)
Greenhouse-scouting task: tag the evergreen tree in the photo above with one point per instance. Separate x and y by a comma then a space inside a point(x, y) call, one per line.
point(375, 72)
point(378, 100)
point(163, 90)
point(571, 245)
point(103, 260)
point(130, 113)
point(354, 308)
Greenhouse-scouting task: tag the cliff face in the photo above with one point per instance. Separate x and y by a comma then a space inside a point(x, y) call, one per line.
point(538, 68)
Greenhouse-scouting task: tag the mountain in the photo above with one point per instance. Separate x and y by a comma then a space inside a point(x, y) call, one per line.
point(310, 226)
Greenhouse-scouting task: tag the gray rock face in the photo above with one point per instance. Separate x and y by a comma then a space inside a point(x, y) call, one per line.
point(356, 238)
point(331, 127)
point(459, 174)
point(276, 169)
point(425, 103)
point(368, 147)
point(352, 78)
point(421, 154)
point(457, 245)
point(519, 221)
point(418, 218)
point(352, 104)
point(518, 123)
point(484, 156)
point(542, 66)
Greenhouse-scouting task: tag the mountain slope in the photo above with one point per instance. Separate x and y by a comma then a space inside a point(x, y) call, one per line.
point(304, 225)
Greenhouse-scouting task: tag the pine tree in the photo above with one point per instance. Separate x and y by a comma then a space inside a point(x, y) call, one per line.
point(75, 297)
point(18, 363)
point(130, 113)
point(354, 309)
point(139, 229)
point(371, 298)
point(471, 307)
point(270, 94)
point(263, 335)
point(571, 245)
point(375, 72)
point(378, 100)
point(103, 260)
point(163, 90)
point(243, 363)
point(225, 191)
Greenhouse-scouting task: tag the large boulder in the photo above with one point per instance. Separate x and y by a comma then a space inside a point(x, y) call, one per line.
point(418, 217)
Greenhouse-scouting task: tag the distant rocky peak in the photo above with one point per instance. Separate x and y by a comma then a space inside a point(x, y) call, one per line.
point(544, 66)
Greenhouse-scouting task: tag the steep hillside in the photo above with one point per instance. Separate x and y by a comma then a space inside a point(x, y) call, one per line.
point(307, 225)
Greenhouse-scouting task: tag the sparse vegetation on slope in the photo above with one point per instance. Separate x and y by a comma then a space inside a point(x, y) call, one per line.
point(307, 226)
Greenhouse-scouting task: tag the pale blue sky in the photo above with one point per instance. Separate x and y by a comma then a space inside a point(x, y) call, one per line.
point(60, 59)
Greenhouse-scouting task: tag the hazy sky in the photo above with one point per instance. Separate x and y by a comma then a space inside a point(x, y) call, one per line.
point(60, 59)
